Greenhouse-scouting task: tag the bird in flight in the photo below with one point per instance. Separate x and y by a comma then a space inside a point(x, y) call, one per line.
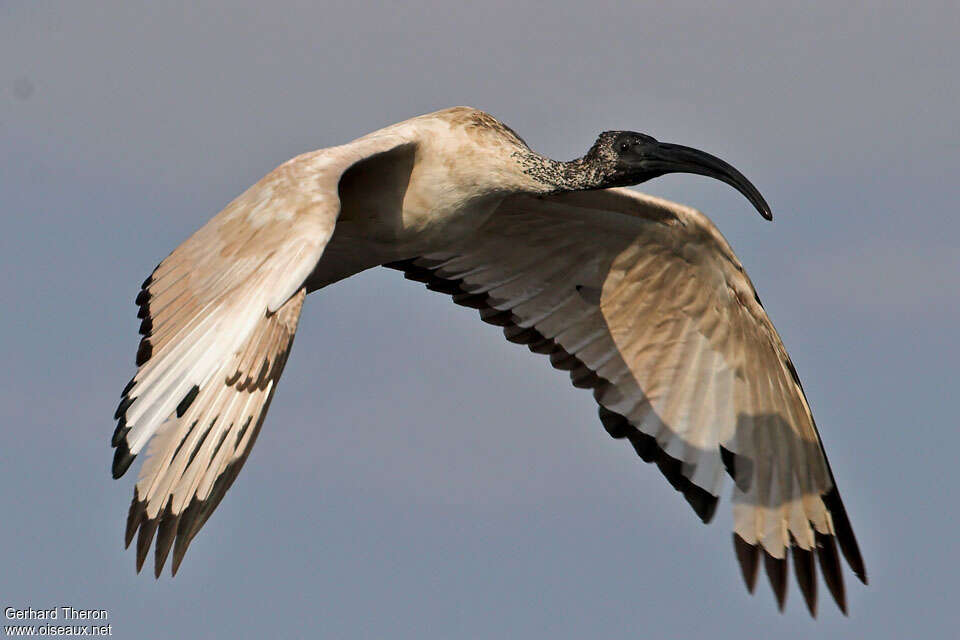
point(640, 299)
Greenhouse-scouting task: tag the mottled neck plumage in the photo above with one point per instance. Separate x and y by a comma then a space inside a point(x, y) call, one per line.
point(592, 171)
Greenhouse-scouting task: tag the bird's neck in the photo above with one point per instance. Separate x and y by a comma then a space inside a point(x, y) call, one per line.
point(555, 176)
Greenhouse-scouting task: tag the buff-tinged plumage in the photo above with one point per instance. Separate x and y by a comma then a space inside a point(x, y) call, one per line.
point(641, 299)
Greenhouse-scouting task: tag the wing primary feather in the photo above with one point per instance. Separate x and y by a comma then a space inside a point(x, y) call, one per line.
point(129, 386)
point(450, 287)
point(844, 533)
point(146, 326)
point(119, 433)
point(185, 531)
point(747, 557)
point(703, 503)
point(134, 517)
point(472, 300)
point(122, 459)
point(615, 424)
point(806, 572)
point(544, 346)
point(166, 532)
point(584, 377)
point(830, 568)
point(519, 335)
point(144, 538)
point(125, 403)
point(497, 318)
point(562, 360)
point(144, 351)
point(777, 573)
point(645, 445)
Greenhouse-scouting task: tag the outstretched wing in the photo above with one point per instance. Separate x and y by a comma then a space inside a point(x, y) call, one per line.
point(644, 302)
point(218, 319)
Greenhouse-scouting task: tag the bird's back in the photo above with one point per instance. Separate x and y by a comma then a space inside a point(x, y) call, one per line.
point(444, 184)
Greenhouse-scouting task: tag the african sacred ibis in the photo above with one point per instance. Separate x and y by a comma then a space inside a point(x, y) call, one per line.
point(641, 299)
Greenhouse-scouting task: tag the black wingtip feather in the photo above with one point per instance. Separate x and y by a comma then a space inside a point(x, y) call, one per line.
point(184, 534)
point(442, 286)
point(560, 359)
point(830, 568)
point(584, 378)
point(125, 403)
point(747, 556)
point(806, 571)
point(122, 458)
point(400, 265)
point(644, 446)
point(119, 433)
point(497, 318)
point(671, 469)
point(844, 533)
point(471, 300)
point(166, 533)
point(419, 275)
point(777, 573)
point(703, 502)
point(842, 529)
point(134, 516)
point(615, 424)
point(144, 351)
point(147, 528)
point(519, 335)
point(543, 347)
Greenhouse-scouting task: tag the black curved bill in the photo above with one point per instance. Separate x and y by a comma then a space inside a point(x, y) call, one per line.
point(674, 158)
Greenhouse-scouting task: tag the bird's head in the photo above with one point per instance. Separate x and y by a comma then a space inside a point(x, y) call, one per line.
point(627, 158)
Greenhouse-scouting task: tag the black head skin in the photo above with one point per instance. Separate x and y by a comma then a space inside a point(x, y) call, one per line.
point(631, 158)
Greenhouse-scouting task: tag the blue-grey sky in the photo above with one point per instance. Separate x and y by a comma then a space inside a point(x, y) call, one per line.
point(418, 476)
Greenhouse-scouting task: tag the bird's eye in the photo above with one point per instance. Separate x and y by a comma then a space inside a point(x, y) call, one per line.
point(624, 146)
